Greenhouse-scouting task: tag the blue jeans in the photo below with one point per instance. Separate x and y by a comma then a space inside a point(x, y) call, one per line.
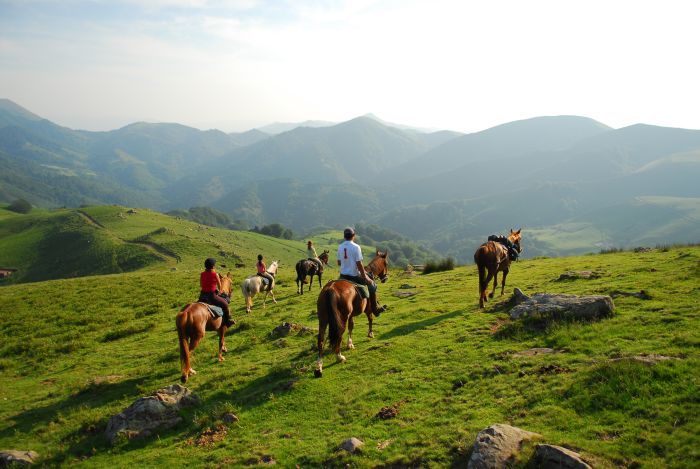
point(372, 287)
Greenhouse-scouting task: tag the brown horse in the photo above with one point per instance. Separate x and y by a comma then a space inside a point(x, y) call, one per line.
point(338, 303)
point(493, 257)
point(192, 321)
point(307, 267)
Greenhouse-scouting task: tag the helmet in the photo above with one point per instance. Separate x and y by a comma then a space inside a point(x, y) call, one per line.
point(209, 263)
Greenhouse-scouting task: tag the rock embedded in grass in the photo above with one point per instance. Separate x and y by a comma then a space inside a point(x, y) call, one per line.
point(564, 306)
point(498, 446)
point(149, 414)
point(13, 458)
point(550, 456)
point(352, 445)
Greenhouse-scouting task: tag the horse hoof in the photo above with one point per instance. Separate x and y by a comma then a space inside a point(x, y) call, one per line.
point(341, 359)
point(490, 295)
point(192, 372)
point(183, 379)
point(351, 347)
point(318, 373)
point(224, 349)
point(371, 335)
point(221, 359)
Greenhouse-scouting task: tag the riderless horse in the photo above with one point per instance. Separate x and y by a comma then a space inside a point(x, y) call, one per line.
point(307, 267)
point(193, 320)
point(255, 284)
point(338, 303)
point(495, 256)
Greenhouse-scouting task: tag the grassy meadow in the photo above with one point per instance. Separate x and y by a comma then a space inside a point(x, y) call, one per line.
point(76, 351)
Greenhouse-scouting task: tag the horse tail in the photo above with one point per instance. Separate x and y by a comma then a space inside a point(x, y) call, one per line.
point(333, 317)
point(181, 325)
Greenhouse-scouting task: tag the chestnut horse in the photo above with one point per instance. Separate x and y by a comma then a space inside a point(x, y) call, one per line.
point(192, 321)
point(254, 285)
point(307, 267)
point(492, 257)
point(338, 303)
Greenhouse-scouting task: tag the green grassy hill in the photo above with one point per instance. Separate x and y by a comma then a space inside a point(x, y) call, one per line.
point(76, 351)
point(68, 243)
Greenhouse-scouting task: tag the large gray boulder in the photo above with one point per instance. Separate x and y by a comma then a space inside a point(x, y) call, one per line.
point(148, 414)
point(498, 446)
point(563, 306)
point(12, 458)
point(556, 457)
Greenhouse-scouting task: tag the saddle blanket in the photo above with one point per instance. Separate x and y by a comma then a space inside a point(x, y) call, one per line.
point(265, 280)
point(362, 290)
point(216, 311)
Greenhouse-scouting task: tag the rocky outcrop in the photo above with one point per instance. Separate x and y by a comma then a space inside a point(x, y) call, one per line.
point(562, 306)
point(284, 329)
point(149, 414)
point(498, 446)
point(581, 274)
point(556, 457)
point(13, 458)
point(352, 445)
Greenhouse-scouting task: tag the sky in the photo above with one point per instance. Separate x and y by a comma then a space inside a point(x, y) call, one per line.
point(458, 65)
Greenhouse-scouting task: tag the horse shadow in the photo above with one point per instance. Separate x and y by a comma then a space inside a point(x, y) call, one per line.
point(260, 390)
point(415, 326)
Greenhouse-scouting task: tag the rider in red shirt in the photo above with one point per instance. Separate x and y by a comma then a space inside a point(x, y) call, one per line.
point(210, 287)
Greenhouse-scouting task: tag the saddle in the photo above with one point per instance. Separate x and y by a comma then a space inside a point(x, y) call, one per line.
point(361, 289)
point(216, 311)
point(264, 280)
point(510, 247)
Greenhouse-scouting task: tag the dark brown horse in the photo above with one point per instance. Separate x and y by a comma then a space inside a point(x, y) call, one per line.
point(192, 321)
point(338, 303)
point(493, 257)
point(307, 267)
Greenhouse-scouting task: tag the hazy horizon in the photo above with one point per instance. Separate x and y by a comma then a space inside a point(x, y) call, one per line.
point(462, 66)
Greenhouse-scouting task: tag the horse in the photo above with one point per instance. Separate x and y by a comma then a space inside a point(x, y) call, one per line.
point(192, 321)
point(338, 303)
point(493, 257)
point(254, 285)
point(308, 267)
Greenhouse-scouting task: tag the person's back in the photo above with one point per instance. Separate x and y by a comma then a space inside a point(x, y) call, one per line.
point(262, 272)
point(351, 268)
point(209, 284)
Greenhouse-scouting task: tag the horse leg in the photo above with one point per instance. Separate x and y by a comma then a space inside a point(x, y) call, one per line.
point(351, 324)
point(272, 294)
point(485, 286)
point(195, 338)
point(370, 334)
point(503, 281)
point(299, 291)
point(322, 323)
point(495, 283)
point(221, 344)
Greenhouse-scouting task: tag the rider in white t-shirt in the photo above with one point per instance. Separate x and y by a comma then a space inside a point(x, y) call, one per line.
point(351, 268)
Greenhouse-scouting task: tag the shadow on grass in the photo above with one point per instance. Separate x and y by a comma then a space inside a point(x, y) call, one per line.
point(260, 390)
point(414, 326)
point(91, 396)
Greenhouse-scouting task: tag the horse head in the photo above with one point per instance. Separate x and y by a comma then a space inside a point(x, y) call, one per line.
point(324, 256)
point(515, 238)
point(272, 268)
point(380, 265)
point(226, 282)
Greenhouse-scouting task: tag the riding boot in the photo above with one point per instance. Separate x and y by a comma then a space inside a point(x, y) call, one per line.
point(373, 305)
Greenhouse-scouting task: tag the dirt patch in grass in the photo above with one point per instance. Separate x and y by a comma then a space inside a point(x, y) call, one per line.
point(210, 437)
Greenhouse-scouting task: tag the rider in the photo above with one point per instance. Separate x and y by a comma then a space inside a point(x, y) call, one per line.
point(311, 252)
point(262, 271)
point(211, 286)
point(351, 268)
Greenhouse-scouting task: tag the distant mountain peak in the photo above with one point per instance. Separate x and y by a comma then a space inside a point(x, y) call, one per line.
point(15, 109)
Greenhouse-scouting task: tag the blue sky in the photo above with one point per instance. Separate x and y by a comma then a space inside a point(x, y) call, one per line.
point(461, 65)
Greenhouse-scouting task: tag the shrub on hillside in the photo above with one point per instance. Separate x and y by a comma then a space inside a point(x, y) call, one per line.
point(276, 230)
point(20, 206)
point(439, 266)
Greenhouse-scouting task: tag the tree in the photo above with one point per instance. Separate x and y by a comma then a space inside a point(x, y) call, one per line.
point(20, 206)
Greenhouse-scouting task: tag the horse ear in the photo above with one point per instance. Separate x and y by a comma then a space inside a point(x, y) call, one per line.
point(228, 274)
point(518, 232)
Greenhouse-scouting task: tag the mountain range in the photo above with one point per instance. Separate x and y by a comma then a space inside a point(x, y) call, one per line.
point(573, 184)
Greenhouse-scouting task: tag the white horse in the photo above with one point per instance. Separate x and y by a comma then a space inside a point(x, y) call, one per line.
point(254, 284)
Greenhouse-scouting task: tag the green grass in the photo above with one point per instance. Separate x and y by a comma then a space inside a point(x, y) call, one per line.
point(76, 351)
